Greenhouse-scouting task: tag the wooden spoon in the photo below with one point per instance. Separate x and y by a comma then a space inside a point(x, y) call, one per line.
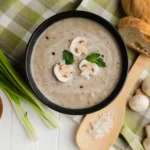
point(1, 108)
point(117, 109)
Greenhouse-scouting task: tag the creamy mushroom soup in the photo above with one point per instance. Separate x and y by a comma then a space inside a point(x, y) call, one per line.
point(79, 91)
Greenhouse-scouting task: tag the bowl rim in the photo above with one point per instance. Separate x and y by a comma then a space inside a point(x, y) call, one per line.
point(82, 14)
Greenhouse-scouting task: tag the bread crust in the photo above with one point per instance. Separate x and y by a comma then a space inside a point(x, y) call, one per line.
point(134, 23)
point(137, 8)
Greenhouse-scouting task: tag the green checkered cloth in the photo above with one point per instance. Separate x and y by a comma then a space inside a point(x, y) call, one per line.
point(18, 20)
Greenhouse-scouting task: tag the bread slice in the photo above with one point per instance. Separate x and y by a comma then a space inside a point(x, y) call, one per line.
point(137, 8)
point(136, 34)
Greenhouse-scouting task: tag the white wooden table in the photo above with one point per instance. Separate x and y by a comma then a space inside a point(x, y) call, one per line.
point(14, 137)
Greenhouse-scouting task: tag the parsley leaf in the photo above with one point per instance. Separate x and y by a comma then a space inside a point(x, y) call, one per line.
point(95, 58)
point(68, 57)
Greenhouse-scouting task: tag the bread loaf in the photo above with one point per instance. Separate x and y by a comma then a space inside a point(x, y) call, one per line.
point(136, 34)
point(137, 8)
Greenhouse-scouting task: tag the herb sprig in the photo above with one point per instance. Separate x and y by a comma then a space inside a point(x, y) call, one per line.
point(95, 58)
point(68, 57)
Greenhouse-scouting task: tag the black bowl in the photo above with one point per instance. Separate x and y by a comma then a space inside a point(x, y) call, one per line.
point(116, 36)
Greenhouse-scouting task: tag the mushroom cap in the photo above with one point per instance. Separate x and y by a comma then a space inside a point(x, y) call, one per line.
point(139, 102)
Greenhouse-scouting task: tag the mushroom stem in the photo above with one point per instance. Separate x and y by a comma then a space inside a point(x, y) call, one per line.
point(148, 131)
point(146, 144)
point(146, 141)
point(146, 86)
point(139, 91)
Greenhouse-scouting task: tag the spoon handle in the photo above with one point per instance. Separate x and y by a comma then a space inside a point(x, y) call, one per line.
point(137, 69)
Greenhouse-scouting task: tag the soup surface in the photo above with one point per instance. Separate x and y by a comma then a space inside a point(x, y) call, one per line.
point(78, 92)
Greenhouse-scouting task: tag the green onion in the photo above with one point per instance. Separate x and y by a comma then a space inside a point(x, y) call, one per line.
point(15, 88)
point(22, 116)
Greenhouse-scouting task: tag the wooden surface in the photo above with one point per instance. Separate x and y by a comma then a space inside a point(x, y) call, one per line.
point(14, 137)
point(117, 108)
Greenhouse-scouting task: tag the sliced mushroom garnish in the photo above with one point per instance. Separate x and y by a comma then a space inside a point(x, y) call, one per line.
point(79, 46)
point(88, 69)
point(63, 72)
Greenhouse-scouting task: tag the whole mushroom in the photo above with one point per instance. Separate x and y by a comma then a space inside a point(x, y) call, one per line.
point(139, 102)
point(146, 142)
point(146, 86)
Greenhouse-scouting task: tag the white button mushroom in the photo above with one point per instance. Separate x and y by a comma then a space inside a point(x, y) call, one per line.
point(79, 46)
point(146, 86)
point(146, 142)
point(139, 102)
point(63, 72)
point(88, 69)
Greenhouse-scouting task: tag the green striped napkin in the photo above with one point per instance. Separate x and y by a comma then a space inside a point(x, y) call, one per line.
point(18, 20)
